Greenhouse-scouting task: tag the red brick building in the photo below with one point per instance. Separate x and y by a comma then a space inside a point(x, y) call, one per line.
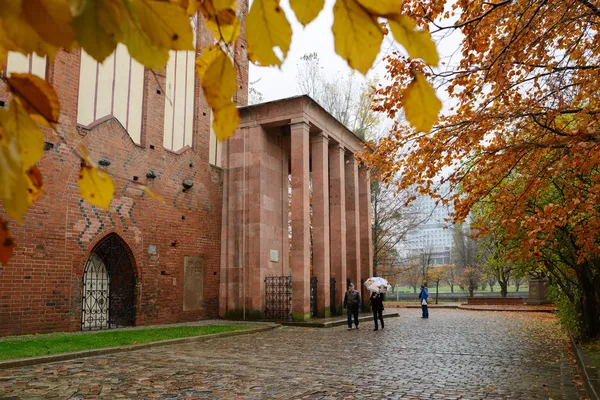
point(233, 237)
point(142, 127)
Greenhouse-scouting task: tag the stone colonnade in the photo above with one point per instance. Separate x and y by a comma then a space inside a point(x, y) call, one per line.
point(292, 138)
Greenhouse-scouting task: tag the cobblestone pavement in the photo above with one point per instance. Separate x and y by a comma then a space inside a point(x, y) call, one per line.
point(453, 355)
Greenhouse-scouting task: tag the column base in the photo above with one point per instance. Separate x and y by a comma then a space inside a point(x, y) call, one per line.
point(254, 315)
point(325, 313)
point(300, 316)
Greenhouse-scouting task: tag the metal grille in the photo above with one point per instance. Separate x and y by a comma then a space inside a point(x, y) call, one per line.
point(278, 297)
point(108, 287)
point(313, 296)
point(332, 303)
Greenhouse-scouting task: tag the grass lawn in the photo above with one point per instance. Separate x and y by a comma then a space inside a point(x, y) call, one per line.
point(446, 289)
point(42, 346)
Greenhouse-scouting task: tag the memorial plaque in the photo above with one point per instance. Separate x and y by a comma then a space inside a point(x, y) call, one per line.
point(193, 283)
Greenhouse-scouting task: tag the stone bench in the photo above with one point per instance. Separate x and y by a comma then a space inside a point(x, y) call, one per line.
point(495, 301)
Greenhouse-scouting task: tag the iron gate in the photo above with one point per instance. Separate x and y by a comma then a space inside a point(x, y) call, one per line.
point(313, 296)
point(332, 303)
point(278, 297)
point(108, 287)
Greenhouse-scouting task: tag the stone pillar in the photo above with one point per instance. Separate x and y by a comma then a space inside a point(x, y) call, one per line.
point(320, 204)
point(366, 233)
point(300, 257)
point(537, 292)
point(337, 221)
point(352, 222)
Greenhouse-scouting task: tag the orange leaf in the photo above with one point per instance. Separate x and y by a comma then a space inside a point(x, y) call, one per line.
point(38, 98)
point(7, 244)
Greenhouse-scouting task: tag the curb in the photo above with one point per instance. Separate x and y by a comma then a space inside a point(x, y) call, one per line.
point(22, 362)
point(439, 306)
point(469, 308)
point(592, 384)
point(331, 324)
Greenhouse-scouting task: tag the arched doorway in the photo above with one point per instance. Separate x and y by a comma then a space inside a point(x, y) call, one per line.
point(108, 286)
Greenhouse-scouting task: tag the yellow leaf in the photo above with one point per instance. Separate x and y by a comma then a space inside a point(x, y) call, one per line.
point(190, 6)
point(52, 20)
point(307, 10)
point(142, 49)
point(217, 76)
point(221, 19)
point(35, 184)
point(166, 25)
point(95, 185)
point(3, 56)
point(150, 193)
point(13, 182)
point(357, 35)
point(421, 105)
point(27, 136)
point(382, 7)
point(98, 27)
point(37, 96)
point(227, 33)
point(19, 32)
point(418, 43)
point(266, 28)
point(7, 243)
point(225, 121)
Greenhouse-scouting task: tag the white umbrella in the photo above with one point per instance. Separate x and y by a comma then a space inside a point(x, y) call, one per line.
point(377, 285)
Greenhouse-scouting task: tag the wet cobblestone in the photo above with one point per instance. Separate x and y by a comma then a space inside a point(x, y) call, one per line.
point(453, 355)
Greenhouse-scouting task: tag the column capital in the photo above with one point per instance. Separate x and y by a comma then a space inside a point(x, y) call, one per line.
point(299, 123)
point(319, 138)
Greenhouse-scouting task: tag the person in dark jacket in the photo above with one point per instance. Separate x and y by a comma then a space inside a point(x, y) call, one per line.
point(377, 307)
point(424, 298)
point(351, 303)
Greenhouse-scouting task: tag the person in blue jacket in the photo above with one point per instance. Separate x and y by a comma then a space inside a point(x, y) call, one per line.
point(424, 298)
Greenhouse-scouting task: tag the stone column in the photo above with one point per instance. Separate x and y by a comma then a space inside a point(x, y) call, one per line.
point(366, 233)
point(320, 220)
point(352, 222)
point(300, 257)
point(337, 221)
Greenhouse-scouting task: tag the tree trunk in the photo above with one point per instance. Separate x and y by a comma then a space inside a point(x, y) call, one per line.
point(517, 287)
point(590, 308)
point(503, 289)
point(414, 289)
point(492, 289)
point(471, 292)
point(437, 284)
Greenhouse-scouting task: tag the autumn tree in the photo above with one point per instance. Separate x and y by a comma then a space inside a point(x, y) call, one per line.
point(470, 279)
point(451, 277)
point(464, 251)
point(412, 276)
point(150, 29)
point(523, 97)
point(437, 275)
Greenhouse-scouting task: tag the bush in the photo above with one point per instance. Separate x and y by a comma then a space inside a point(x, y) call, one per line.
point(569, 313)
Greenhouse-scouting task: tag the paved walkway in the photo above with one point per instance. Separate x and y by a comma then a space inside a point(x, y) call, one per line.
point(455, 354)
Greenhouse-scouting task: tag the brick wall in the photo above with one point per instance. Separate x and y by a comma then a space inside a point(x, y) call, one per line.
point(41, 286)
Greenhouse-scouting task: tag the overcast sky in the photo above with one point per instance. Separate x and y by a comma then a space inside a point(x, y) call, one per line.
point(277, 83)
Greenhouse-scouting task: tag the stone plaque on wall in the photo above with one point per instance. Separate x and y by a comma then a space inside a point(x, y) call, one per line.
point(193, 283)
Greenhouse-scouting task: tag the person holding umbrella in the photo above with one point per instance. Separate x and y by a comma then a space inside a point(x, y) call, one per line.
point(377, 286)
point(351, 303)
point(377, 307)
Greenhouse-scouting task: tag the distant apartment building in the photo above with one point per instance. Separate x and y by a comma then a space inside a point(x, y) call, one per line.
point(432, 239)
